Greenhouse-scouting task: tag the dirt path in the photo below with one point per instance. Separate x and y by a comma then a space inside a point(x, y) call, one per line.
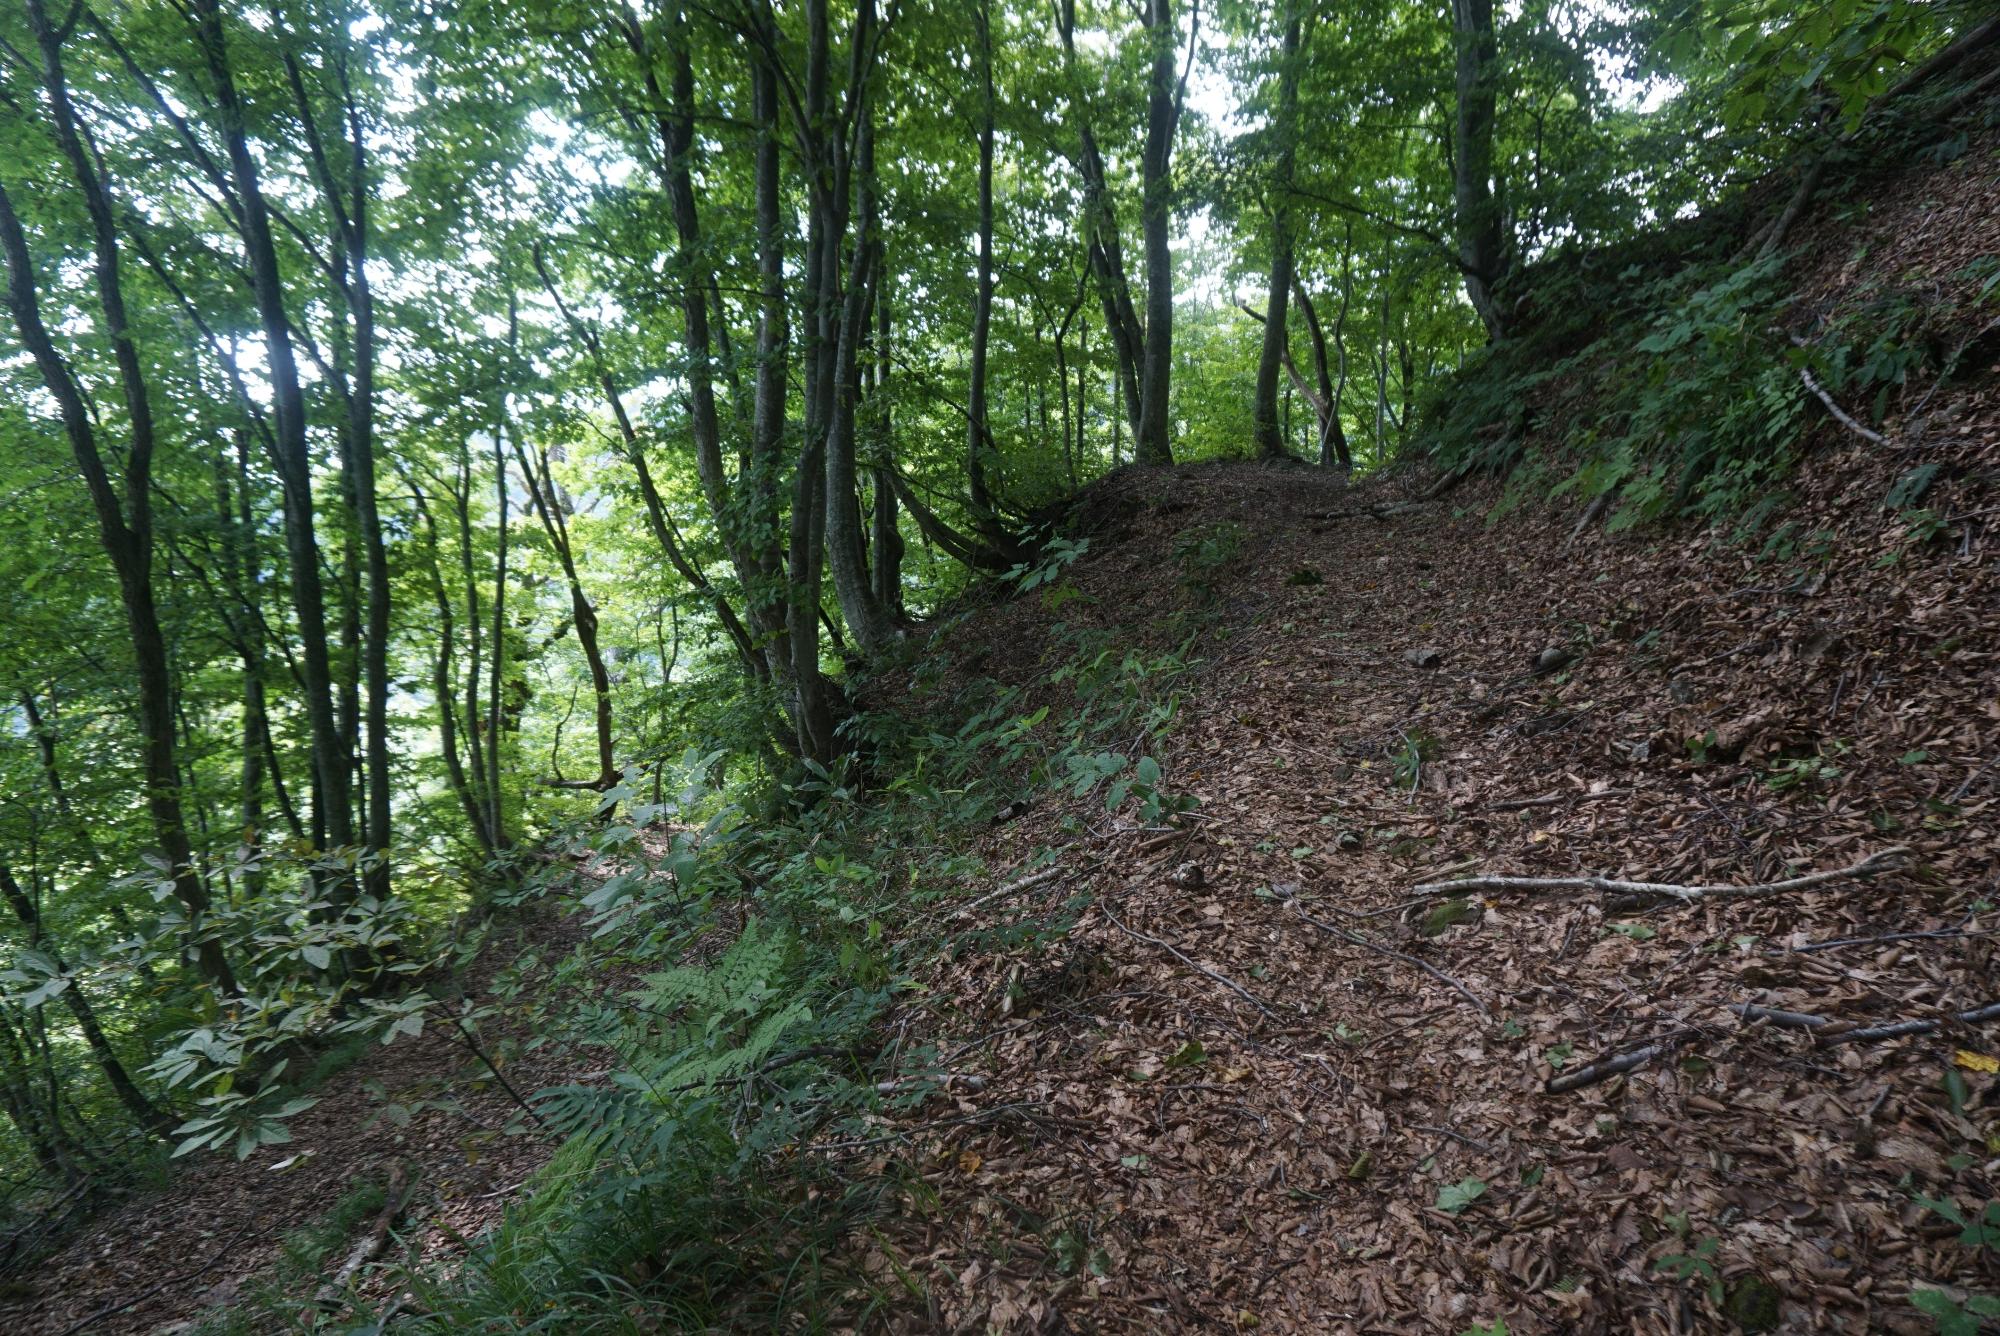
point(191, 1247)
point(1212, 1108)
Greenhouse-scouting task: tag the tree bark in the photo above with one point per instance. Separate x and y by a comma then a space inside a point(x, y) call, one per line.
point(1152, 442)
point(124, 529)
point(331, 761)
point(1481, 242)
point(1270, 438)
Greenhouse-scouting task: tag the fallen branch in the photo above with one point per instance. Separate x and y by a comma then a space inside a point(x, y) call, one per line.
point(1591, 513)
point(1554, 800)
point(1369, 944)
point(1840, 414)
point(1605, 1068)
point(1884, 861)
point(1027, 883)
point(1960, 931)
point(1381, 511)
point(1182, 956)
point(1800, 1020)
point(333, 1295)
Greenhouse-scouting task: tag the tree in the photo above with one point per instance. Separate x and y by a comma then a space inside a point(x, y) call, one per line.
point(1270, 441)
point(1482, 251)
point(125, 525)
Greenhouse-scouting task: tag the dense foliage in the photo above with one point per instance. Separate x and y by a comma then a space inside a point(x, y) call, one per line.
point(432, 430)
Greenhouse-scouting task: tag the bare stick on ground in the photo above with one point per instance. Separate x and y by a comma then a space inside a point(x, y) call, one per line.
point(333, 1295)
point(1368, 944)
point(1886, 860)
point(1800, 1020)
point(1605, 1068)
point(1181, 956)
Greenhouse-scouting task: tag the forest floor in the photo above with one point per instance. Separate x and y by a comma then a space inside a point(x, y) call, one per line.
point(1248, 1089)
point(1232, 1072)
point(1257, 1081)
point(193, 1249)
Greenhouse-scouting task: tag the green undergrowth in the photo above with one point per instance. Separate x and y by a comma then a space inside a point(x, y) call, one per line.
point(1672, 376)
point(741, 967)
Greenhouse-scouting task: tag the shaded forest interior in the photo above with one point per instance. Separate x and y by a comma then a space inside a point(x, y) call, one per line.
point(1053, 666)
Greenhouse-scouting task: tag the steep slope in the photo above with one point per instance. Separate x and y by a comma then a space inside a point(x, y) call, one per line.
point(1249, 1089)
point(1252, 1078)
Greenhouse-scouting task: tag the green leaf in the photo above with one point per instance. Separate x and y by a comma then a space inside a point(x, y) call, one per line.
point(1455, 1197)
point(1952, 1320)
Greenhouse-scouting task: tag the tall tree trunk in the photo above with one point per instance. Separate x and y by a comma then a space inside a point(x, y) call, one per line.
point(885, 562)
point(658, 519)
point(1331, 436)
point(475, 630)
point(444, 678)
point(1082, 383)
point(547, 502)
point(293, 454)
point(57, 1154)
point(978, 439)
point(496, 806)
point(1481, 247)
point(351, 245)
point(766, 600)
point(125, 530)
point(1152, 442)
point(1270, 438)
point(867, 617)
point(1103, 247)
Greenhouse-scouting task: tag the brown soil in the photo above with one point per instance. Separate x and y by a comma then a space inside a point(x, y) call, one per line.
point(1733, 717)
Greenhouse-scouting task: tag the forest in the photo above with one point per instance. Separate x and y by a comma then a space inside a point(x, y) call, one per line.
point(1012, 665)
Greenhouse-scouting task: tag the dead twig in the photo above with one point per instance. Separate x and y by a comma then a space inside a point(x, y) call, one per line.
point(1605, 1068)
point(332, 1296)
point(113, 1310)
point(1840, 415)
point(1959, 931)
point(1182, 956)
point(1598, 505)
point(1554, 800)
point(1884, 861)
point(1369, 944)
point(1027, 883)
point(1459, 1137)
point(1800, 1020)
